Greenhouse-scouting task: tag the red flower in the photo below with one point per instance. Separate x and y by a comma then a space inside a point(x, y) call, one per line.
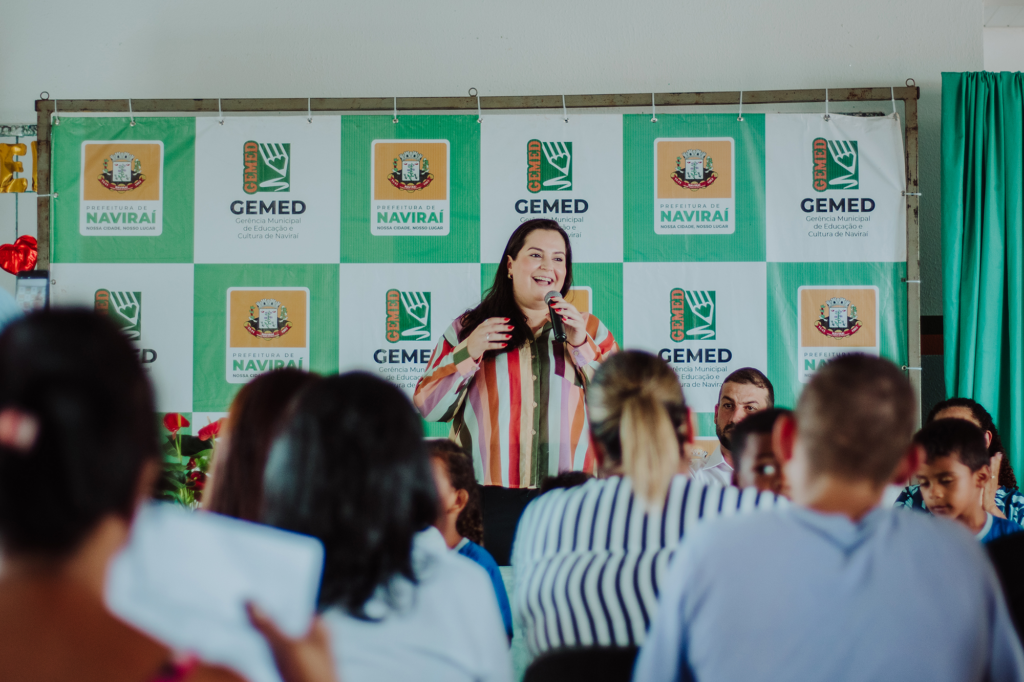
point(210, 430)
point(196, 480)
point(191, 463)
point(174, 421)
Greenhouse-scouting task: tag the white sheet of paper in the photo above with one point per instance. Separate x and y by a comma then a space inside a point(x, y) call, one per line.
point(184, 579)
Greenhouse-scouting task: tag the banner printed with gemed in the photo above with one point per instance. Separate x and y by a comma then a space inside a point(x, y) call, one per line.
point(542, 167)
point(267, 190)
point(834, 189)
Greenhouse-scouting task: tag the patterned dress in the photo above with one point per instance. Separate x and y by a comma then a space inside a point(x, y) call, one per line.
point(1009, 500)
point(521, 415)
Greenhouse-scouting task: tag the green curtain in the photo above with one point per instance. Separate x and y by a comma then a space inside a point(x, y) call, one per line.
point(982, 195)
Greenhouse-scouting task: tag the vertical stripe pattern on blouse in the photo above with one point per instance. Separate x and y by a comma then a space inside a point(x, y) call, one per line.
point(588, 560)
point(522, 414)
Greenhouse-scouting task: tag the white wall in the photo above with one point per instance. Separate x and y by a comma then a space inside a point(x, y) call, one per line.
point(1004, 49)
point(301, 48)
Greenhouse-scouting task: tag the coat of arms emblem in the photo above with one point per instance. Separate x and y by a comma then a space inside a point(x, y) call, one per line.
point(268, 319)
point(410, 172)
point(838, 319)
point(122, 172)
point(694, 170)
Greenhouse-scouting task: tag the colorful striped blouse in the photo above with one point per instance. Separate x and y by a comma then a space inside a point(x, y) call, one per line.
point(521, 415)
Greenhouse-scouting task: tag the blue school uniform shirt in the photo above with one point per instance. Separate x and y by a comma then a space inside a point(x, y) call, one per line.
point(471, 550)
point(996, 527)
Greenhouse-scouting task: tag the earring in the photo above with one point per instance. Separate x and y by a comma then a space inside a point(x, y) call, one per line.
point(510, 275)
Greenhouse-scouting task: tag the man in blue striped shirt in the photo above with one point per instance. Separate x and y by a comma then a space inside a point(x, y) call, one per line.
point(834, 587)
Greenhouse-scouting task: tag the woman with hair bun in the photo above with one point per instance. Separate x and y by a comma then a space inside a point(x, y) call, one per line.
point(589, 559)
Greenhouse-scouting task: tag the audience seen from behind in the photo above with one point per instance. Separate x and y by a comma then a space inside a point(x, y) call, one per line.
point(590, 560)
point(1002, 498)
point(824, 588)
point(954, 475)
point(256, 415)
point(460, 518)
point(352, 469)
point(744, 392)
point(755, 461)
point(78, 455)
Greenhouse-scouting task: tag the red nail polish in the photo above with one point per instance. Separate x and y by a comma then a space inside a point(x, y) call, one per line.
point(503, 345)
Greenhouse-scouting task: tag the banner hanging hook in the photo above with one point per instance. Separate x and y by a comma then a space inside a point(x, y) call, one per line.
point(394, 118)
point(309, 109)
point(827, 117)
point(131, 114)
point(565, 113)
point(654, 112)
point(473, 92)
point(220, 114)
point(740, 117)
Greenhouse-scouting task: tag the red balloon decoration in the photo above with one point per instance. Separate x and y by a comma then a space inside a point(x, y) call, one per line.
point(19, 256)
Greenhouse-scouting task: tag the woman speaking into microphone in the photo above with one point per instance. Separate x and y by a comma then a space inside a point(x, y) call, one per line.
point(515, 395)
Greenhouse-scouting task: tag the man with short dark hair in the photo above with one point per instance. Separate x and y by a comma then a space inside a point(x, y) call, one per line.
point(822, 589)
point(755, 463)
point(743, 393)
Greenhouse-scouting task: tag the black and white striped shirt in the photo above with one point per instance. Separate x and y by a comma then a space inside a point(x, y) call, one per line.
point(588, 560)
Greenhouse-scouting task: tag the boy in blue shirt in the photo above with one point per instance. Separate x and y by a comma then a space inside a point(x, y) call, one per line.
point(953, 476)
point(460, 518)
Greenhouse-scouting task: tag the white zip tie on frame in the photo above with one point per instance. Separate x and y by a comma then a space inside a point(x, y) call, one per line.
point(892, 91)
point(309, 109)
point(394, 118)
point(53, 194)
point(473, 92)
point(740, 117)
point(654, 113)
point(131, 114)
point(565, 113)
point(827, 117)
point(220, 114)
point(56, 116)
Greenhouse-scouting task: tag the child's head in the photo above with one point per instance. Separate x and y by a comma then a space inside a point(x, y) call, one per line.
point(955, 467)
point(457, 489)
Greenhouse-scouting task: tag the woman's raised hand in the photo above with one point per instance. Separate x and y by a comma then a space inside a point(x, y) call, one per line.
point(491, 334)
point(575, 325)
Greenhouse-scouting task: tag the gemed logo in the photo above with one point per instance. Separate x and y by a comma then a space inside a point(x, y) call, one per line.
point(693, 315)
point(123, 308)
point(408, 316)
point(122, 189)
point(266, 167)
point(548, 166)
point(836, 164)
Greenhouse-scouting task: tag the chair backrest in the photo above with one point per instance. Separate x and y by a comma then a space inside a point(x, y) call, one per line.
point(583, 664)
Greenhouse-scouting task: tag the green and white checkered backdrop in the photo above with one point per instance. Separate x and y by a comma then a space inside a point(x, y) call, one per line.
point(351, 242)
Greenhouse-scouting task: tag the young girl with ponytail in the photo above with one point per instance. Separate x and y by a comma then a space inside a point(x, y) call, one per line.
point(589, 560)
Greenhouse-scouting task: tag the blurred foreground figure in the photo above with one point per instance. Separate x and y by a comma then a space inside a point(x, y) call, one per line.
point(351, 469)
point(833, 587)
point(78, 454)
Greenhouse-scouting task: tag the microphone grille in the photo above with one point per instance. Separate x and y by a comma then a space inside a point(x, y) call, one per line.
point(551, 294)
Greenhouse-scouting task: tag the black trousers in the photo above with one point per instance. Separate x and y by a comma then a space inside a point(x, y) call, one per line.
point(502, 508)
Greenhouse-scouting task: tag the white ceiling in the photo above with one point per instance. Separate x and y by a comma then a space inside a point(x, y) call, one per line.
point(1003, 13)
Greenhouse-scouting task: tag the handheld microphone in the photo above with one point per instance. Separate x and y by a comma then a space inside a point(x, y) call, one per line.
point(557, 326)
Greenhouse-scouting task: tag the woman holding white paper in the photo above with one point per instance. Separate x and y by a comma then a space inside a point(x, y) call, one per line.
point(351, 468)
point(78, 453)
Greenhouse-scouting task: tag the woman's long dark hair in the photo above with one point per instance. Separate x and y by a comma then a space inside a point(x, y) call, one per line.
point(77, 376)
point(500, 301)
point(257, 414)
point(1007, 479)
point(351, 469)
